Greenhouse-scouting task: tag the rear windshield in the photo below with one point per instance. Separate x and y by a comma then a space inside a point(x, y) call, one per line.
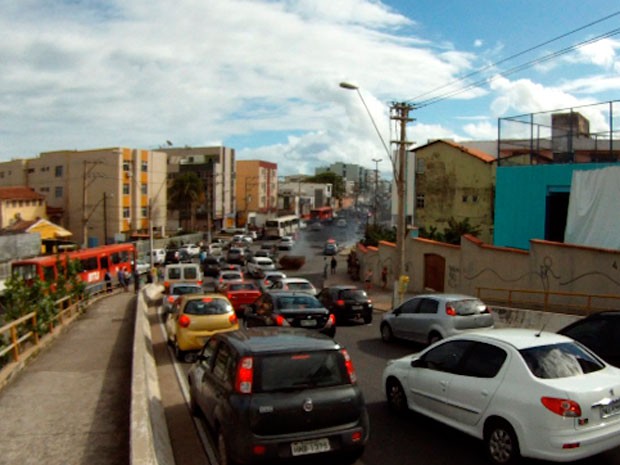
point(468, 307)
point(190, 273)
point(287, 372)
point(207, 306)
point(231, 276)
point(300, 286)
point(182, 290)
point(353, 294)
point(298, 301)
point(242, 287)
point(559, 361)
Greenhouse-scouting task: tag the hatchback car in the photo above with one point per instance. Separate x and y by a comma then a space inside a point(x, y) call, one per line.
point(270, 396)
point(196, 317)
point(270, 277)
point(225, 276)
point(431, 317)
point(294, 284)
point(257, 266)
point(236, 255)
point(523, 392)
point(241, 294)
point(600, 332)
point(330, 247)
point(290, 308)
point(347, 302)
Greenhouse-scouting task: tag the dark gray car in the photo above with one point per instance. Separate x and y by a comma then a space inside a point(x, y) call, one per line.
point(431, 317)
point(275, 395)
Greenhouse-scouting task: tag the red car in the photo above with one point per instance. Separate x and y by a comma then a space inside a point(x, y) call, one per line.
point(241, 294)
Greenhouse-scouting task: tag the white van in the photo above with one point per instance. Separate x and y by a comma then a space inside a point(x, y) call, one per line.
point(159, 256)
point(182, 273)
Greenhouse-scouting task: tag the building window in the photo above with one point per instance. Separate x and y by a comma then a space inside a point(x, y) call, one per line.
point(45, 189)
point(126, 213)
point(58, 171)
point(145, 212)
point(464, 199)
point(145, 166)
point(125, 166)
point(144, 188)
point(1, 174)
point(474, 198)
point(58, 192)
point(126, 188)
point(419, 201)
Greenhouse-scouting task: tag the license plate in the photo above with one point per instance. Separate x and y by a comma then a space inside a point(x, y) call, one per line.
point(308, 323)
point(357, 307)
point(314, 446)
point(611, 409)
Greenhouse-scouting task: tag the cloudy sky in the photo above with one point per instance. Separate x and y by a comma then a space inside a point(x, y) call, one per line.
point(262, 76)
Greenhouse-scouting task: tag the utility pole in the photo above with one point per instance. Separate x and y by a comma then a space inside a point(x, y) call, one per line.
point(400, 112)
point(105, 219)
point(85, 215)
point(376, 160)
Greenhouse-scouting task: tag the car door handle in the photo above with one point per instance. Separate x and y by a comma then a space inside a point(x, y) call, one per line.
point(443, 384)
point(484, 393)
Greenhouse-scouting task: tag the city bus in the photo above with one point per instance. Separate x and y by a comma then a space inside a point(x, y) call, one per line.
point(93, 263)
point(322, 214)
point(281, 226)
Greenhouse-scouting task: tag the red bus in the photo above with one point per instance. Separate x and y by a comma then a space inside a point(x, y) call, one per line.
point(322, 214)
point(93, 263)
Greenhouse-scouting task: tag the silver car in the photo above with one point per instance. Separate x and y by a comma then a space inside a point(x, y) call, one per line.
point(428, 318)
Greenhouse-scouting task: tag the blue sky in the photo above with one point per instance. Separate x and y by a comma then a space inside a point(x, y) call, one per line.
point(262, 76)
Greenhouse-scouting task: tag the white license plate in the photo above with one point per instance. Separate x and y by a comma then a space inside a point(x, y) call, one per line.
point(611, 409)
point(314, 446)
point(357, 307)
point(308, 323)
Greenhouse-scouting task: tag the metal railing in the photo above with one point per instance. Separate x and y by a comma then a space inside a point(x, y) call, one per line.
point(552, 301)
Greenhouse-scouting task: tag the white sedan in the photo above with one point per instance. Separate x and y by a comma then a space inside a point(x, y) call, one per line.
point(523, 392)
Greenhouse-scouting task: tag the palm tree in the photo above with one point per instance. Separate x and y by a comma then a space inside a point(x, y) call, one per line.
point(184, 193)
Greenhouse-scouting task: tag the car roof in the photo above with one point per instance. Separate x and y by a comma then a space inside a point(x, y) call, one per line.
point(266, 340)
point(519, 338)
point(446, 297)
point(295, 280)
point(342, 287)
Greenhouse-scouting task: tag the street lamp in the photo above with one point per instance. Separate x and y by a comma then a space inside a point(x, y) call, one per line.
point(398, 112)
point(376, 160)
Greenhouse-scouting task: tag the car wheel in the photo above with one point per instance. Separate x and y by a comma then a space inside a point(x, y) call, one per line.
point(434, 337)
point(501, 443)
point(396, 399)
point(193, 405)
point(352, 457)
point(222, 449)
point(178, 353)
point(386, 333)
point(368, 319)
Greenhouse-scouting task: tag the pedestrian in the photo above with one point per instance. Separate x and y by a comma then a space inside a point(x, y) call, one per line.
point(368, 280)
point(120, 274)
point(108, 281)
point(384, 273)
point(334, 263)
point(126, 279)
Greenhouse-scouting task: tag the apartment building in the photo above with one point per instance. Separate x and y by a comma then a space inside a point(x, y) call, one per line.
point(100, 195)
point(257, 191)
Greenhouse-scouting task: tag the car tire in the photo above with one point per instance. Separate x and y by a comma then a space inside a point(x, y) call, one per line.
point(349, 458)
point(396, 398)
point(222, 450)
point(502, 445)
point(386, 333)
point(178, 353)
point(368, 319)
point(193, 405)
point(434, 337)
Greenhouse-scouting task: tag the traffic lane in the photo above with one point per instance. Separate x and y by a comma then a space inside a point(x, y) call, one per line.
point(410, 437)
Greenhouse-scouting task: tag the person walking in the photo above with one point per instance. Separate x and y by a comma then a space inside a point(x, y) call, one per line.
point(368, 280)
point(121, 278)
point(108, 281)
point(384, 273)
point(334, 263)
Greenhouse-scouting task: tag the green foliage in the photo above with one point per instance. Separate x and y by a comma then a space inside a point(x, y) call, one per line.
point(452, 234)
point(375, 233)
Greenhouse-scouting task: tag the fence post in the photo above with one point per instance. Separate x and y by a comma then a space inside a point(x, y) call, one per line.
point(34, 329)
point(15, 345)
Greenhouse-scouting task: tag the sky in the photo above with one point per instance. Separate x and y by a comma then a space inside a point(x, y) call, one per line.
point(262, 76)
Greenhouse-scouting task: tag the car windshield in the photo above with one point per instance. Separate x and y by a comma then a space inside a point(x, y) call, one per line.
point(468, 307)
point(290, 372)
point(559, 361)
point(207, 306)
point(298, 301)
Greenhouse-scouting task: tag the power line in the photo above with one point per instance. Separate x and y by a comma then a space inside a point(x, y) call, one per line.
point(494, 65)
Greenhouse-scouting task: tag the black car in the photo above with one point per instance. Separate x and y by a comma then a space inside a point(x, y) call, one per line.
point(599, 332)
point(172, 256)
point(347, 302)
point(211, 265)
point(272, 395)
point(290, 308)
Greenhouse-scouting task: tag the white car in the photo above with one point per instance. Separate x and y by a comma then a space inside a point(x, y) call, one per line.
point(294, 284)
point(192, 249)
point(523, 392)
point(159, 256)
point(257, 266)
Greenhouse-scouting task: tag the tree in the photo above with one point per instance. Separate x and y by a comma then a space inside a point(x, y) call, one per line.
point(337, 182)
point(452, 234)
point(183, 195)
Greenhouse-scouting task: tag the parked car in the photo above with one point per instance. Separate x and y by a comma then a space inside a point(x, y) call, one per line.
point(175, 291)
point(225, 276)
point(347, 302)
point(428, 318)
point(241, 294)
point(290, 308)
point(256, 266)
point(599, 332)
point(523, 392)
point(194, 318)
point(272, 396)
point(270, 277)
point(294, 284)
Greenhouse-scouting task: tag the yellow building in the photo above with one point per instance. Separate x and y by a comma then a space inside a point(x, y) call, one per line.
point(454, 182)
point(101, 195)
point(20, 203)
point(257, 189)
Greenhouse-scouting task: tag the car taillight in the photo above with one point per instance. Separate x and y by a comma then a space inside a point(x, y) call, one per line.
point(331, 321)
point(450, 310)
point(349, 365)
point(200, 283)
point(245, 375)
point(340, 303)
point(280, 320)
point(229, 296)
point(487, 309)
point(184, 321)
point(562, 407)
point(233, 319)
point(171, 299)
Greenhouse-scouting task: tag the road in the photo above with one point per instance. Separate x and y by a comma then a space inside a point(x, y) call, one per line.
point(395, 439)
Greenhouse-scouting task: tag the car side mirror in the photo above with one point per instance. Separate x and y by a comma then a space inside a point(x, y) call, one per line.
point(418, 363)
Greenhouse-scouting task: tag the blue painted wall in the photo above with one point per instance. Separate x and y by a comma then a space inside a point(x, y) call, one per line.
point(521, 198)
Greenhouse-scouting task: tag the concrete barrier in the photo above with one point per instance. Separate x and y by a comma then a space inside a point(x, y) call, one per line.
point(149, 437)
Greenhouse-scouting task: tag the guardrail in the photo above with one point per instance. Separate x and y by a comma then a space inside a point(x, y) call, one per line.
point(550, 301)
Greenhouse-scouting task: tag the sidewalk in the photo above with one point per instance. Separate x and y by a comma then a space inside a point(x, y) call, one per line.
point(70, 405)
